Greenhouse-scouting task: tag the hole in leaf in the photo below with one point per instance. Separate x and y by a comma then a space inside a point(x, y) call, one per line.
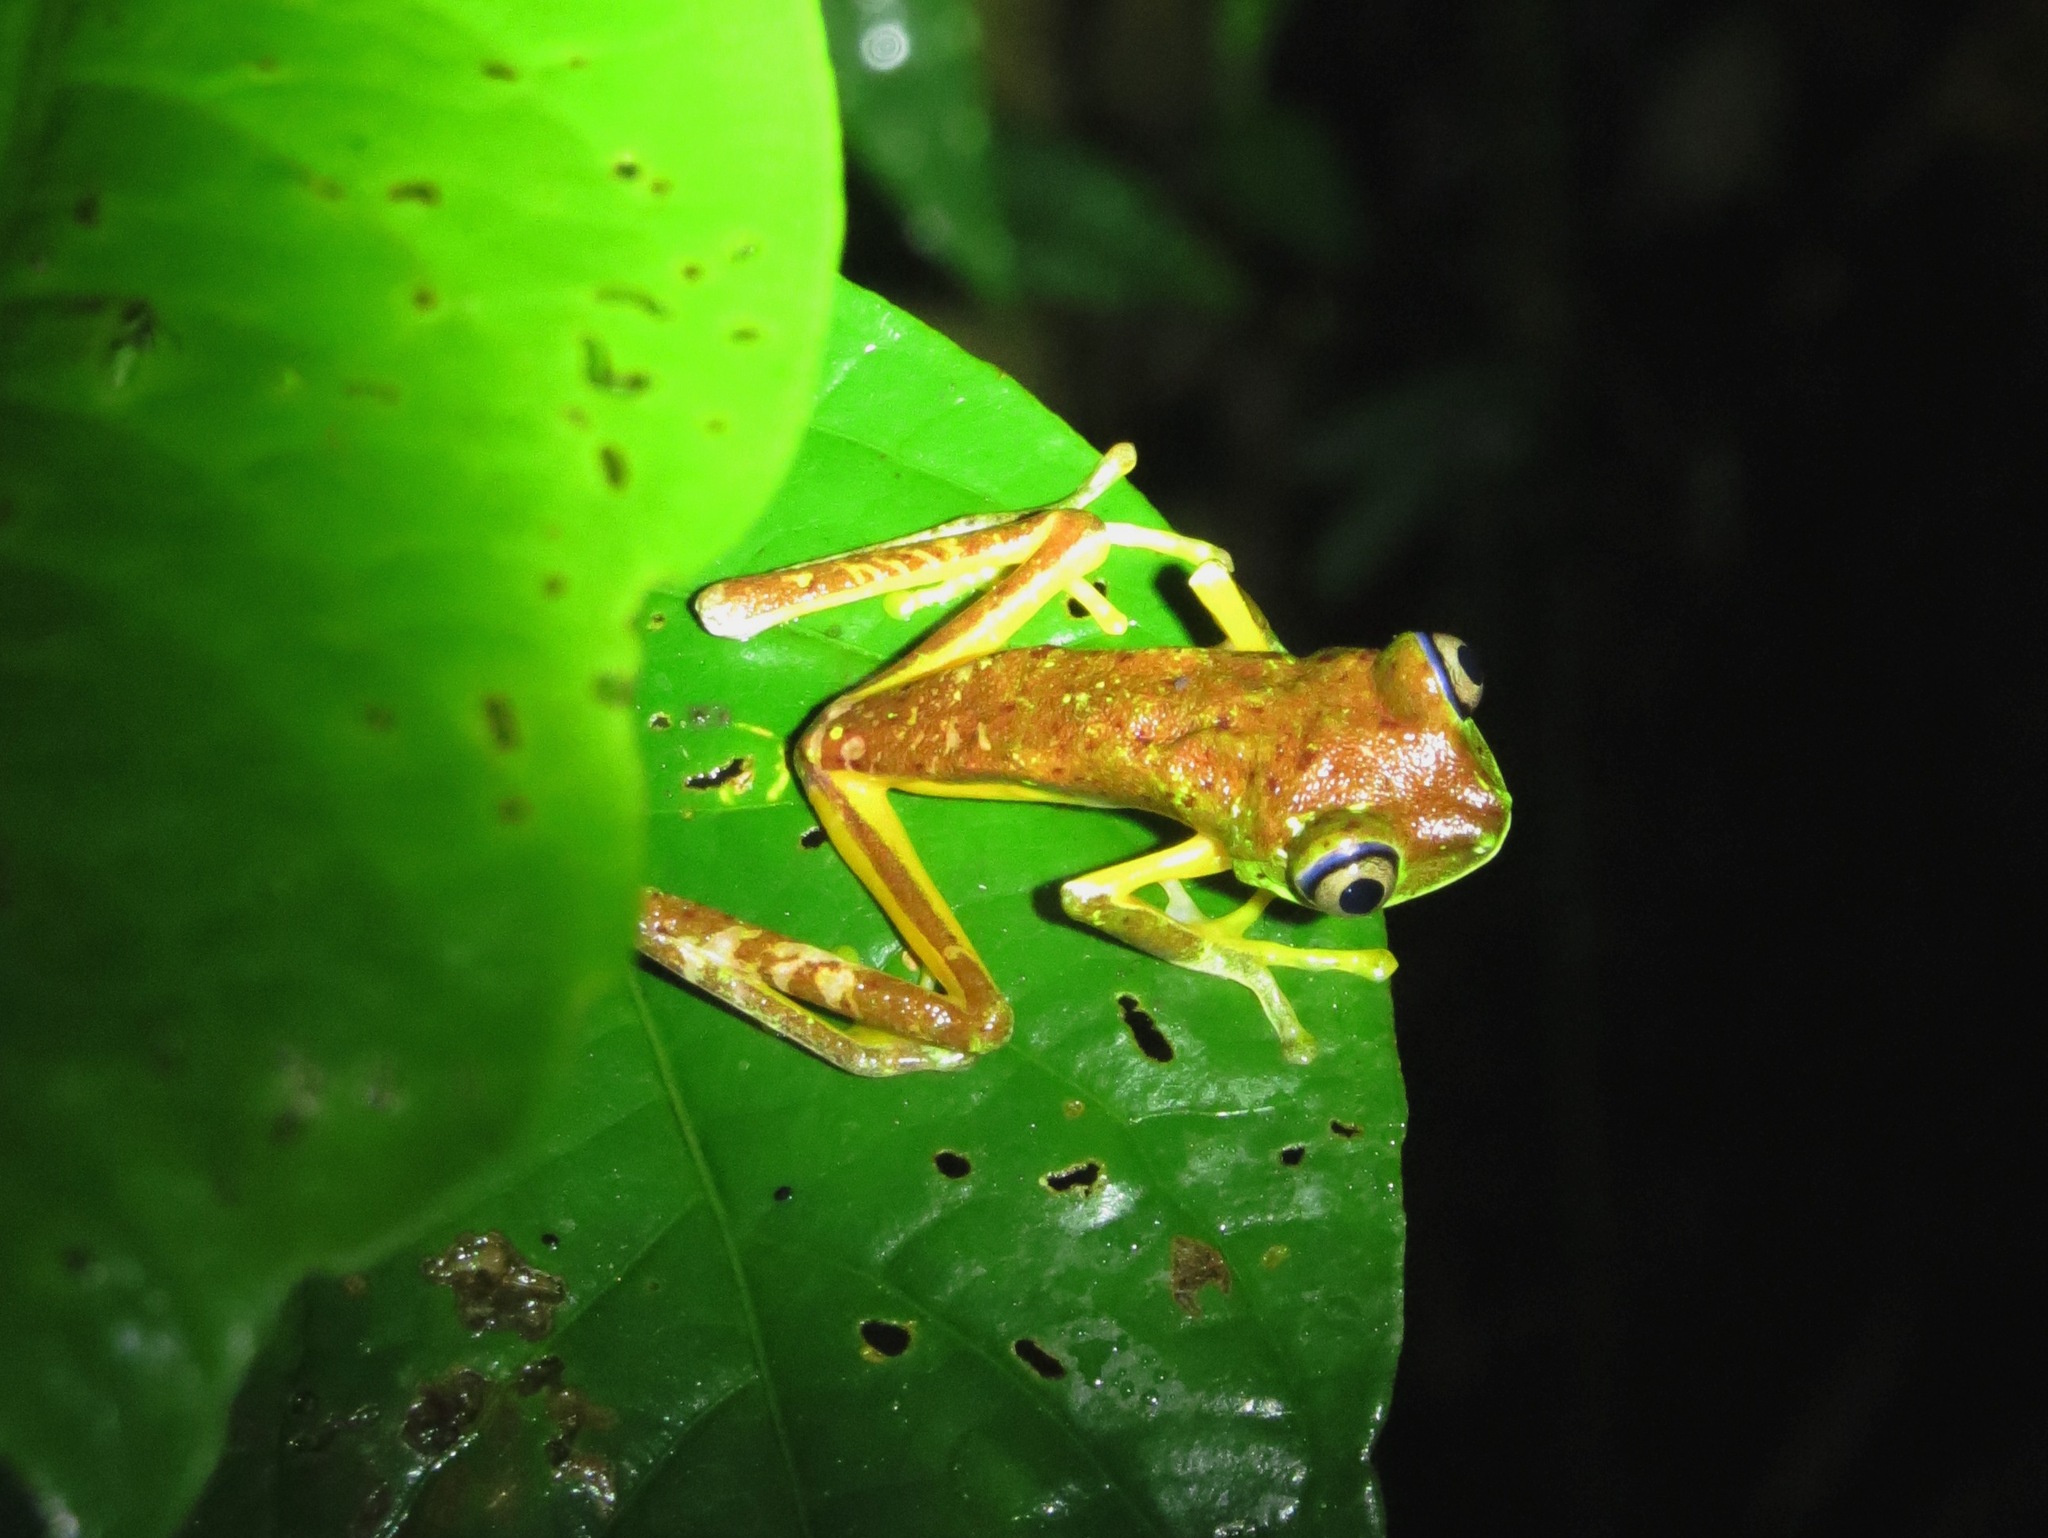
point(885, 1337)
point(503, 723)
point(734, 771)
point(1038, 1359)
point(552, 1240)
point(783, 1193)
point(1345, 1128)
point(1074, 604)
point(1144, 1029)
point(1075, 1177)
point(953, 1166)
point(813, 838)
point(659, 721)
point(1292, 1154)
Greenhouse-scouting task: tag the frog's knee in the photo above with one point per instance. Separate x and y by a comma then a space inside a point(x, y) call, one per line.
point(992, 1026)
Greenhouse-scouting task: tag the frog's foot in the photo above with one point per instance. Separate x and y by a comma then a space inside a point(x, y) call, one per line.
point(1107, 901)
point(893, 1026)
point(1228, 930)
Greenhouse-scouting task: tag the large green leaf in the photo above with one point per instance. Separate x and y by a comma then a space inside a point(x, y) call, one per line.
point(727, 1214)
point(359, 369)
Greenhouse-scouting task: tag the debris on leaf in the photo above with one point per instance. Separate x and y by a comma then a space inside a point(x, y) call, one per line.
point(1196, 1265)
point(494, 1286)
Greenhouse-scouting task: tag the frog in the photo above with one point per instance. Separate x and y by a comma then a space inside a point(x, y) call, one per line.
point(1344, 781)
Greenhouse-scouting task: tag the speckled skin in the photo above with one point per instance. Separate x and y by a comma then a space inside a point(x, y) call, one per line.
point(1247, 748)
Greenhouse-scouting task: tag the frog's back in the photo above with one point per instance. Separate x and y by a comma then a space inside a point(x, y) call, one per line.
point(1189, 733)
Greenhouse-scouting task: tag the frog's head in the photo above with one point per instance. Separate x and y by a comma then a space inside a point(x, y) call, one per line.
point(1435, 807)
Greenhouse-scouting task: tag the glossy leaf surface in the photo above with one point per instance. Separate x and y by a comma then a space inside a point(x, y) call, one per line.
point(801, 1302)
point(360, 367)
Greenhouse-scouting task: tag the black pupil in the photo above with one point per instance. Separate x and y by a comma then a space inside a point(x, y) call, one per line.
point(1471, 666)
point(1362, 896)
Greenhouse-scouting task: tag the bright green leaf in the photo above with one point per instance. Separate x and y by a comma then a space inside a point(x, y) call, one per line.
point(726, 1214)
point(917, 121)
point(359, 369)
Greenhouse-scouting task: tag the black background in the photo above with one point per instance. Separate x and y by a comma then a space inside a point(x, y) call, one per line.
point(1723, 1171)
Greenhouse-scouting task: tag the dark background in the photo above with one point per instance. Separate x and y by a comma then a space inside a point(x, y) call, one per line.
point(1689, 360)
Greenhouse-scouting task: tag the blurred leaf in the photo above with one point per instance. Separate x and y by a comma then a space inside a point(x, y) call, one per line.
point(1415, 450)
point(1282, 180)
point(1242, 33)
point(802, 1302)
point(917, 120)
point(359, 370)
point(1097, 236)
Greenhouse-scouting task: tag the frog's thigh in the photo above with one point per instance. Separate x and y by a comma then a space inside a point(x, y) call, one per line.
point(854, 810)
point(899, 1027)
point(1107, 900)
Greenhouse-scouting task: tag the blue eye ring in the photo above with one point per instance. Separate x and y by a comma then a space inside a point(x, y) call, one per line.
point(1351, 879)
point(1457, 670)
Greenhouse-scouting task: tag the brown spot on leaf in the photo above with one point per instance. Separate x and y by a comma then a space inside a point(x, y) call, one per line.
point(553, 585)
point(444, 1411)
point(1193, 1266)
point(87, 209)
point(428, 193)
point(541, 1373)
point(502, 721)
point(498, 69)
point(494, 1286)
point(424, 298)
point(613, 461)
point(638, 298)
point(514, 809)
point(377, 718)
point(1345, 1129)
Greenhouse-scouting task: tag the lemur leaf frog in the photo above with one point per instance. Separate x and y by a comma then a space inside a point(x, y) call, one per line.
point(1343, 781)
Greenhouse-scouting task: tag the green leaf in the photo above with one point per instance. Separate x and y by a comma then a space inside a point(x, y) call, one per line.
point(728, 1214)
point(359, 369)
point(1278, 178)
point(917, 121)
point(1097, 236)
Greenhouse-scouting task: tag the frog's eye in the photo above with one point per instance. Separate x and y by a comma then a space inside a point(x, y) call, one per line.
point(1351, 879)
point(1457, 669)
